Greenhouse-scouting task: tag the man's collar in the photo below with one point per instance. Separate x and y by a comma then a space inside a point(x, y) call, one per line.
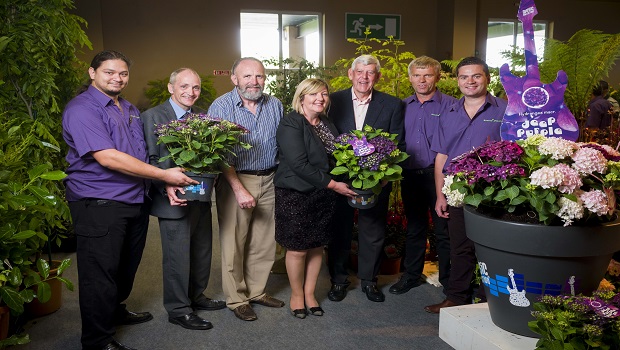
point(355, 98)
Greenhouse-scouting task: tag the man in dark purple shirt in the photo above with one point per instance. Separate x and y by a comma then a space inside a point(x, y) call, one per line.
point(422, 113)
point(599, 110)
point(473, 120)
point(106, 188)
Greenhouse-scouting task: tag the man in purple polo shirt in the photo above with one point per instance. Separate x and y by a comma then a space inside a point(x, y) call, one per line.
point(422, 114)
point(106, 186)
point(467, 124)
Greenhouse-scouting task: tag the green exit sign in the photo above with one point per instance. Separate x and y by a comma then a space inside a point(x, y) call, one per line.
point(380, 26)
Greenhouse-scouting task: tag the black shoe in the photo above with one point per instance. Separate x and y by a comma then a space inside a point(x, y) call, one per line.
point(337, 292)
point(299, 313)
point(316, 311)
point(126, 317)
point(404, 285)
point(191, 321)
point(114, 345)
point(208, 304)
point(373, 293)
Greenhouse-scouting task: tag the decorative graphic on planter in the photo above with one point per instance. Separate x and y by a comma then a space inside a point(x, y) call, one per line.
point(516, 286)
point(534, 107)
point(517, 298)
point(200, 188)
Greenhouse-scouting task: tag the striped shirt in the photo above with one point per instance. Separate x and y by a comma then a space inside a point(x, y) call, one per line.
point(262, 127)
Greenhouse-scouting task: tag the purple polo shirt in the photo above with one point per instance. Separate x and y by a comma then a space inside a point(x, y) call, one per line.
point(421, 120)
point(91, 122)
point(457, 133)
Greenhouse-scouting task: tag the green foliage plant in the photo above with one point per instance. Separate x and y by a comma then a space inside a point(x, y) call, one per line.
point(578, 322)
point(157, 92)
point(201, 144)
point(29, 208)
point(282, 82)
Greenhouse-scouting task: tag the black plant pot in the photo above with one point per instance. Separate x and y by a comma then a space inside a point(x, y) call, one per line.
point(521, 262)
point(365, 199)
point(200, 192)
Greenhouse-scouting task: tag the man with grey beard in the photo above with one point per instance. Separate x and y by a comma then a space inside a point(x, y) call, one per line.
point(245, 192)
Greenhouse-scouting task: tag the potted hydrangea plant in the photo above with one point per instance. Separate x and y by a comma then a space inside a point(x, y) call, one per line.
point(578, 322)
point(542, 214)
point(202, 145)
point(368, 158)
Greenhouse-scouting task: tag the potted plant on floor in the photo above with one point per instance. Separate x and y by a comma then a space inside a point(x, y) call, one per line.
point(542, 213)
point(28, 207)
point(368, 158)
point(202, 145)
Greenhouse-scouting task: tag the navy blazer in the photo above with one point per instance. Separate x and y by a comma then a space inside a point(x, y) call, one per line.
point(304, 163)
point(160, 205)
point(384, 112)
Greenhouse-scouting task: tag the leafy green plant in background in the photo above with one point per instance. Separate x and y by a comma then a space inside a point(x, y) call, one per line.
point(157, 92)
point(282, 82)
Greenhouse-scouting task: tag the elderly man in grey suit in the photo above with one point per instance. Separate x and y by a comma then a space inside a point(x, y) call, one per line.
point(186, 232)
point(352, 109)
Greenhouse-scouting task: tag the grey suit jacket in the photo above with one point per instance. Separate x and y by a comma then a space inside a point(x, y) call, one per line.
point(163, 113)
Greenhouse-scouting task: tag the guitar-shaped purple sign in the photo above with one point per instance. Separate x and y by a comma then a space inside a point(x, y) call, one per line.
point(534, 107)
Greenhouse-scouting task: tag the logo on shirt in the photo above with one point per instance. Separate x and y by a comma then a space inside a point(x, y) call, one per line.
point(492, 120)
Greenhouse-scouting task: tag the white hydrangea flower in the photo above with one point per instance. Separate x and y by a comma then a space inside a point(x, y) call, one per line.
point(569, 210)
point(453, 197)
point(595, 201)
point(557, 148)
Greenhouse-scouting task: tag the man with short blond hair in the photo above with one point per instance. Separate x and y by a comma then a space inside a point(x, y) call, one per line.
point(423, 110)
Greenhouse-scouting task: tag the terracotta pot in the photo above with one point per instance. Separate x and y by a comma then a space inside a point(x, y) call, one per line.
point(520, 262)
point(37, 308)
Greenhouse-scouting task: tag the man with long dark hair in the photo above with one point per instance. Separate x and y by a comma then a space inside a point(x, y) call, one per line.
point(106, 187)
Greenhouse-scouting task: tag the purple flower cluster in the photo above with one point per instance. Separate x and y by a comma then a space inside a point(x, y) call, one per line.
point(482, 163)
point(383, 148)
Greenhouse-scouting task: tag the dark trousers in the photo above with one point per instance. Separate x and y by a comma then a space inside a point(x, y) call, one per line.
point(371, 234)
point(186, 248)
point(110, 241)
point(463, 257)
point(419, 197)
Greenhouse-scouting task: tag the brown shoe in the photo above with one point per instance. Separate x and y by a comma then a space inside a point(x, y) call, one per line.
point(434, 309)
point(245, 312)
point(269, 301)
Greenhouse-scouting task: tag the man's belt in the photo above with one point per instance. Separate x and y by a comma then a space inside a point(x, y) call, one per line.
point(264, 172)
point(429, 170)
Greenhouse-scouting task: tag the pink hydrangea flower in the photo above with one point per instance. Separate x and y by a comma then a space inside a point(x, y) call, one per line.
point(588, 161)
point(570, 178)
point(547, 177)
point(595, 201)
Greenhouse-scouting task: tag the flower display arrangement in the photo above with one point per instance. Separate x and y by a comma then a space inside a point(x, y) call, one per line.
point(200, 143)
point(549, 180)
point(368, 157)
point(578, 322)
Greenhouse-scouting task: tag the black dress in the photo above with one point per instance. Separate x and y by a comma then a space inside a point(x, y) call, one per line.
point(304, 220)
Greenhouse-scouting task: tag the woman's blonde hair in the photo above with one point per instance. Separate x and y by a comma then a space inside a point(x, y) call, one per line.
point(306, 87)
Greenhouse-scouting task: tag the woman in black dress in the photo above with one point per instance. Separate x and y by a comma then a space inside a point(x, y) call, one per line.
point(305, 192)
